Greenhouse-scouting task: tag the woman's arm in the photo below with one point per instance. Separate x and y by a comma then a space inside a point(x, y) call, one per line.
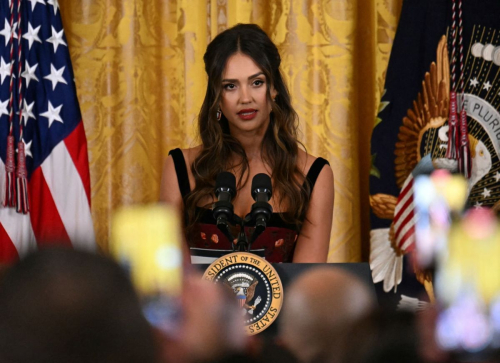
point(171, 194)
point(314, 238)
point(169, 188)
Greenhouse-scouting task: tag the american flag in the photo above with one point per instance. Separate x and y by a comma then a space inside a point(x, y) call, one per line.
point(405, 217)
point(36, 73)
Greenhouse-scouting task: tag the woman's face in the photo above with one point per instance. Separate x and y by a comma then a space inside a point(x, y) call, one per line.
point(243, 98)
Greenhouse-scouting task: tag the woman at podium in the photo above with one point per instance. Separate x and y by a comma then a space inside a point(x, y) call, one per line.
point(248, 126)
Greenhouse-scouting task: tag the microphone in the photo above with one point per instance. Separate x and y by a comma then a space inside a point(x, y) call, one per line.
point(262, 191)
point(225, 190)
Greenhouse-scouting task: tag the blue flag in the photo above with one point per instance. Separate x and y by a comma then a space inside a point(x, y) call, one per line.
point(412, 134)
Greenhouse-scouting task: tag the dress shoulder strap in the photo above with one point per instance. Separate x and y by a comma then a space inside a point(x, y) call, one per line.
point(181, 171)
point(314, 170)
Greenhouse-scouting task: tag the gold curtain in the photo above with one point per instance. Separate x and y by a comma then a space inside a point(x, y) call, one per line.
point(140, 80)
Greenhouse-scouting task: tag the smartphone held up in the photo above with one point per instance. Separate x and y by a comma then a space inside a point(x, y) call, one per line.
point(146, 241)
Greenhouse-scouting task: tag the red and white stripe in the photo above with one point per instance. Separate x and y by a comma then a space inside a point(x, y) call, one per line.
point(405, 217)
point(60, 203)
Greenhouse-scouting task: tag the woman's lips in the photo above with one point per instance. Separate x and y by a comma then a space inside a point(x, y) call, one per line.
point(247, 114)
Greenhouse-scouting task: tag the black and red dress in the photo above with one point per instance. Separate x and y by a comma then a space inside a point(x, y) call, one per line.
point(276, 243)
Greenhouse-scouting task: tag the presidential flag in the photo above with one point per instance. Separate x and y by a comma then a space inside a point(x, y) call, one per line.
point(441, 46)
point(44, 173)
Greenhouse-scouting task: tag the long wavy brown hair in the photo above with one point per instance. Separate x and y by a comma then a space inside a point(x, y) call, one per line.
point(280, 143)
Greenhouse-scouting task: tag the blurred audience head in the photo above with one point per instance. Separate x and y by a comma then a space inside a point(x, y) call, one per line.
point(60, 305)
point(319, 307)
point(213, 327)
point(382, 337)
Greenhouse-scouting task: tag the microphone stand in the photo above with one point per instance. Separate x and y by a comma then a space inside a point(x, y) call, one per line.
point(242, 243)
point(223, 210)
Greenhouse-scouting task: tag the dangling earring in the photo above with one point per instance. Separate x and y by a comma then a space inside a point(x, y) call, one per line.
point(218, 114)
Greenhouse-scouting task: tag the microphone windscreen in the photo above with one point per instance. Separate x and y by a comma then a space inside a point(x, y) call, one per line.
point(226, 179)
point(262, 181)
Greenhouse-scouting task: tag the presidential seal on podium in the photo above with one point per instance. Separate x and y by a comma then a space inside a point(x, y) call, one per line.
point(255, 285)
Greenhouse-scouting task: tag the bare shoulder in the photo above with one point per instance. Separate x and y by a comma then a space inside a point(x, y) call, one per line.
point(305, 161)
point(190, 155)
point(169, 188)
point(312, 244)
point(325, 181)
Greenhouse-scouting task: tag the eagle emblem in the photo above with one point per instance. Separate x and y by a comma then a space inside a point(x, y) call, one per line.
point(421, 148)
point(243, 285)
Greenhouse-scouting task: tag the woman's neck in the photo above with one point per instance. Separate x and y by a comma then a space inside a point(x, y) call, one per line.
point(252, 147)
point(251, 142)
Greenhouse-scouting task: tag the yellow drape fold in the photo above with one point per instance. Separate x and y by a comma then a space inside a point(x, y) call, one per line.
point(140, 79)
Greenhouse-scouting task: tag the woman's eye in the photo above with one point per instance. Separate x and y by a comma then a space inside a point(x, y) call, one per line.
point(229, 86)
point(258, 82)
